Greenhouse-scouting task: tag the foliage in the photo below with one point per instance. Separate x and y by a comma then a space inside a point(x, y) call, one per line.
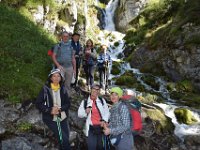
point(115, 68)
point(24, 126)
point(23, 56)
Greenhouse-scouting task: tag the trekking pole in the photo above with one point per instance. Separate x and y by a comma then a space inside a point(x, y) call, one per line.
point(58, 119)
point(105, 76)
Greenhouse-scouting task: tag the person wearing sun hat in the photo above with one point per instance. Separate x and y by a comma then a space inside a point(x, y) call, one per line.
point(53, 102)
point(119, 127)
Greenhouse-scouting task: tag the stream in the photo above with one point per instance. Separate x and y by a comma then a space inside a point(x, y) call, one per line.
point(170, 104)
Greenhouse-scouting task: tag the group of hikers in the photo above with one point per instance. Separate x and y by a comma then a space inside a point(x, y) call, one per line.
point(104, 126)
point(69, 55)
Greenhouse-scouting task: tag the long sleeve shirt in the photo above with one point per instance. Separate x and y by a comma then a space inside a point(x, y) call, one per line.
point(119, 119)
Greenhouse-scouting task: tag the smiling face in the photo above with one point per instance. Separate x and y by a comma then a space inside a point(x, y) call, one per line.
point(56, 78)
point(95, 92)
point(75, 38)
point(114, 97)
point(65, 37)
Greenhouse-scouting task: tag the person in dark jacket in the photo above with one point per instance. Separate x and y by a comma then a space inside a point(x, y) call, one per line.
point(54, 103)
point(78, 51)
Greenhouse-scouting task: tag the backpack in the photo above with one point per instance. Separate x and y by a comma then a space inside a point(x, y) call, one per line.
point(134, 107)
point(50, 51)
point(85, 102)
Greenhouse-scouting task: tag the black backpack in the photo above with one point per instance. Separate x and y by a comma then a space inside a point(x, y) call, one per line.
point(85, 102)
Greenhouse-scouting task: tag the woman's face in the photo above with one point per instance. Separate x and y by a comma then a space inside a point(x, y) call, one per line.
point(56, 78)
point(89, 43)
point(114, 97)
point(95, 92)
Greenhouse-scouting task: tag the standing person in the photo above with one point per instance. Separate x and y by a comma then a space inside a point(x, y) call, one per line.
point(64, 59)
point(103, 62)
point(119, 127)
point(78, 48)
point(54, 103)
point(95, 109)
point(89, 62)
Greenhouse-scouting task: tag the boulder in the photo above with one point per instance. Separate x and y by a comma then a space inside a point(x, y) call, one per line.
point(185, 116)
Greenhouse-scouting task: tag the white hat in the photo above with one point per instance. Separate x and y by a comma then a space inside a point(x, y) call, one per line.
point(53, 71)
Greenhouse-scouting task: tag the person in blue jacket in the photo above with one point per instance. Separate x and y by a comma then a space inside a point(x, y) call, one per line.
point(103, 63)
point(54, 103)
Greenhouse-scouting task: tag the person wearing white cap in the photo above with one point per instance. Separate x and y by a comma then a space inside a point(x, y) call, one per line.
point(53, 102)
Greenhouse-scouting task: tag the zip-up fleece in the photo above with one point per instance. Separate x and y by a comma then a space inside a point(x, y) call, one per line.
point(44, 102)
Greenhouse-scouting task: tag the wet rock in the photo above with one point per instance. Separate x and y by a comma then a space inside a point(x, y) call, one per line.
point(192, 142)
point(20, 143)
point(185, 116)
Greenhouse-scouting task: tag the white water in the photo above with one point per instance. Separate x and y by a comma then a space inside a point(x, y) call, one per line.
point(180, 129)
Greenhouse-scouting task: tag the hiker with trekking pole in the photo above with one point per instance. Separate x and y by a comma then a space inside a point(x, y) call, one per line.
point(89, 62)
point(54, 103)
point(78, 50)
point(103, 63)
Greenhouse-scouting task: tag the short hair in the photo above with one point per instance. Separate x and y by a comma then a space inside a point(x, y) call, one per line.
point(64, 32)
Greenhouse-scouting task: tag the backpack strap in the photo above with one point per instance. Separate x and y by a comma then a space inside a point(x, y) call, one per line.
point(85, 102)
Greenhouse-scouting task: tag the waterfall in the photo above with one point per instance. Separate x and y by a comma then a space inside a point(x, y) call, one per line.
point(86, 14)
point(180, 129)
point(110, 11)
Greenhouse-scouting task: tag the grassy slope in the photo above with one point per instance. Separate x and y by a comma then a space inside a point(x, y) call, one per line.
point(23, 56)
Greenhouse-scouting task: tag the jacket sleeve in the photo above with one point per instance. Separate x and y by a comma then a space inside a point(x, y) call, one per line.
point(81, 110)
point(42, 102)
point(67, 101)
point(94, 54)
point(124, 121)
point(106, 111)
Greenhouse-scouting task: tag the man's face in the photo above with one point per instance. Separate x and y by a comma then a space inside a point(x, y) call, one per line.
point(75, 38)
point(65, 37)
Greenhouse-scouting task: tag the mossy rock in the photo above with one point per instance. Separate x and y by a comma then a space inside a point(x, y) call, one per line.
point(164, 123)
point(115, 68)
point(116, 44)
point(171, 86)
point(126, 80)
point(148, 98)
point(185, 116)
point(185, 86)
point(150, 80)
point(187, 98)
point(154, 68)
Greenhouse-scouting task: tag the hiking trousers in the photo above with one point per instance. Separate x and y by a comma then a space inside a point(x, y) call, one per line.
point(68, 78)
point(126, 142)
point(95, 140)
point(65, 132)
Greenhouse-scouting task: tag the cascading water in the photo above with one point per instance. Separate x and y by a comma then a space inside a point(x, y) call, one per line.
point(180, 129)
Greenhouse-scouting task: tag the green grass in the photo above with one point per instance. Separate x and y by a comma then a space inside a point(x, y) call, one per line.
point(23, 56)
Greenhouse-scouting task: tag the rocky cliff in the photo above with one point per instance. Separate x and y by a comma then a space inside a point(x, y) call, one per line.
point(171, 43)
point(126, 12)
